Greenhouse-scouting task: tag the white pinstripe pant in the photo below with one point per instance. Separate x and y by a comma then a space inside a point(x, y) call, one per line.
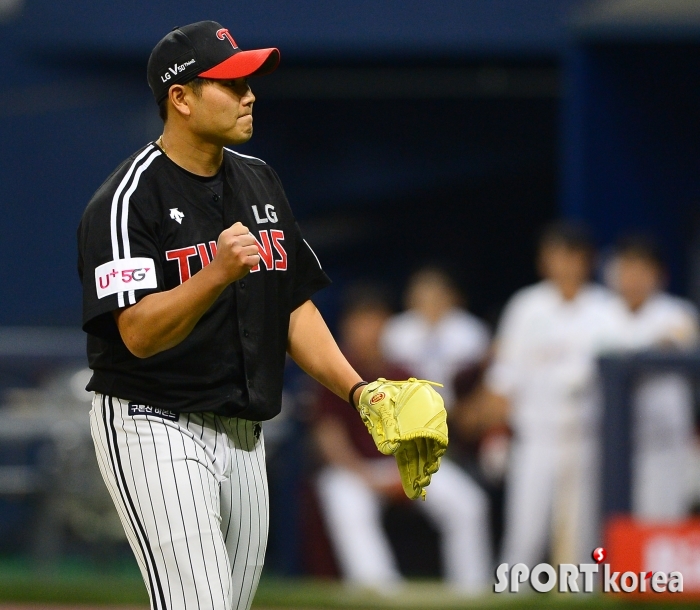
point(192, 496)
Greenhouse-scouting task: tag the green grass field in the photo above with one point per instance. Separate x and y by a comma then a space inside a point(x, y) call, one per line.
point(80, 585)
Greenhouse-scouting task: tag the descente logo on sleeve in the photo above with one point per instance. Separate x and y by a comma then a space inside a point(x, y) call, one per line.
point(125, 274)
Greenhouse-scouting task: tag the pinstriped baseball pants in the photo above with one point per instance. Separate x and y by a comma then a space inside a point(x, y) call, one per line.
point(192, 497)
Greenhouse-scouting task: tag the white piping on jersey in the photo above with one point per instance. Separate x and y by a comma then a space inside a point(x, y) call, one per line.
point(115, 202)
point(244, 156)
point(312, 252)
point(125, 214)
point(115, 208)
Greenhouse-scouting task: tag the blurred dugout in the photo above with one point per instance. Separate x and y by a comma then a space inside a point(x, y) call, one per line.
point(662, 422)
point(356, 483)
point(52, 501)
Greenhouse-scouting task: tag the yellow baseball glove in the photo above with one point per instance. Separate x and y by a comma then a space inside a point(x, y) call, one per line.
point(407, 419)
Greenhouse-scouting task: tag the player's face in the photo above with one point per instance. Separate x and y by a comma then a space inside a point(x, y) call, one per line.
point(636, 279)
point(566, 267)
point(431, 297)
point(223, 113)
point(361, 331)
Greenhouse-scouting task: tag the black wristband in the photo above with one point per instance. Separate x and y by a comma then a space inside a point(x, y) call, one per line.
point(351, 399)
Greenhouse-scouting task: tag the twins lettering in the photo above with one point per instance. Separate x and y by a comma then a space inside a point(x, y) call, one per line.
point(269, 240)
point(273, 256)
point(183, 255)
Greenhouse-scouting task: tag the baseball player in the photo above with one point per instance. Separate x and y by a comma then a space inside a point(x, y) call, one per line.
point(544, 369)
point(196, 283)
point(663, 416)
point(435, 338)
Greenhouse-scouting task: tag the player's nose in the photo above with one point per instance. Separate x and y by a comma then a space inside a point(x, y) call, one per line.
point(249, 96)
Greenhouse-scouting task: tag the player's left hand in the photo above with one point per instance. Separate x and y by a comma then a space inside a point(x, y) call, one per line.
point(407, 419)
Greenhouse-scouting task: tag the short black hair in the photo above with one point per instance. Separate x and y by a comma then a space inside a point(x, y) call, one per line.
point(195, 84)
point(640, 245)
point(435, 271)
point(571, 234)
point(363, 296)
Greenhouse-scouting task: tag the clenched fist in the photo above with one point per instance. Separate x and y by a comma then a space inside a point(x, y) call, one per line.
point(236, 252)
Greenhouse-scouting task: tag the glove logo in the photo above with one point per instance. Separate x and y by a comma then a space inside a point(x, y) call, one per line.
point(377, 398)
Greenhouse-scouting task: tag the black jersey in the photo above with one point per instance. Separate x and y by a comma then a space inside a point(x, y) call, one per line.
point(150, 227)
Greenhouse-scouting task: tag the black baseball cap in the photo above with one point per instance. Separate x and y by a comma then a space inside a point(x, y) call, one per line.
point(205, 49)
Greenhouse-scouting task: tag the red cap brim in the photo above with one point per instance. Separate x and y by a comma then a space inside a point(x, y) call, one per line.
point(245, 63)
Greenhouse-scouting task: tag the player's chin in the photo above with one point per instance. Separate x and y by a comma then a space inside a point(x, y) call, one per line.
point(240, 136)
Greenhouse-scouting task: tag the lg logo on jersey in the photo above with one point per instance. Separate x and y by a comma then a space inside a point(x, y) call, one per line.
point(270, 214)
point(272, 254)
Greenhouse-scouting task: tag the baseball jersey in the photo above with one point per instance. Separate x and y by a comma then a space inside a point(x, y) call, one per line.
point(663, 401)
point(663, 320)
point(545, 358)
point(436, 352)
point(150, 227)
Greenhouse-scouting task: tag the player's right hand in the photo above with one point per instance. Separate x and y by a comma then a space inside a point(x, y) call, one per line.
point(236, 252)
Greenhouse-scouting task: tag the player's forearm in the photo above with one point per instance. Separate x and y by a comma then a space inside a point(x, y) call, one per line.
point(162, 320)
point(314, 349)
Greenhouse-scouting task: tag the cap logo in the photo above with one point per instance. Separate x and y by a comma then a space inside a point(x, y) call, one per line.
point(175, 70)
point(223, 34)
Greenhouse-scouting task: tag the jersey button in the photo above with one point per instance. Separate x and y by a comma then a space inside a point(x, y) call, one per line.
point(241, 284)
point(215, 198)
point(250, 383)
point(246, 333)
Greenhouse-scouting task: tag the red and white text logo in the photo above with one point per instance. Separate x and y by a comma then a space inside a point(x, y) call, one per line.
point(272, 252)
point(273, 256)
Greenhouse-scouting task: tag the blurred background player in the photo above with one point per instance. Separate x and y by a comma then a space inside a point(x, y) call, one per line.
point(356, 481)
point(543, 381)
point(435, 337)
point(663, 402)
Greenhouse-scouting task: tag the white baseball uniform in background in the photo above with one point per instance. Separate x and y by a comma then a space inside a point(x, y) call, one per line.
point(663, 411)
point(456, 505)
point(545, 364)
point(436, 352)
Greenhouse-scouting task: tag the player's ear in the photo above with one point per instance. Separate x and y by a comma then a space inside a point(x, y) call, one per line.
point(179, 98)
